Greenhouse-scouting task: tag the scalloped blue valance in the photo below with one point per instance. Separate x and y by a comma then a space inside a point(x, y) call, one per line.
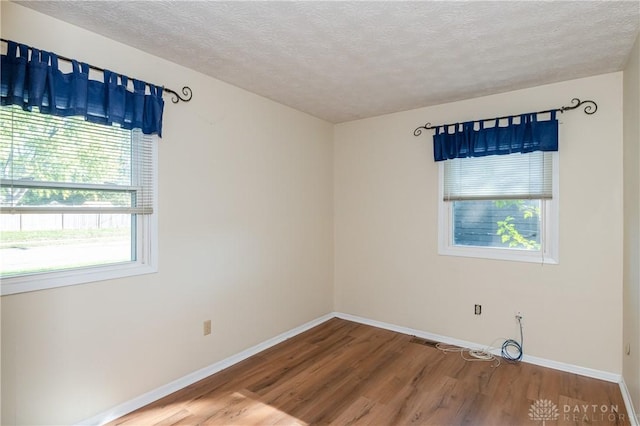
point(472, 139)
point(35, 81)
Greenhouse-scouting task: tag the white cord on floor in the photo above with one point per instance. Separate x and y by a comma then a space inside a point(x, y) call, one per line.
point(469, 354)
point(511, 350)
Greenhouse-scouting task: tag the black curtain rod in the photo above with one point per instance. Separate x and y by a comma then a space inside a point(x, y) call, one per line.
point(589, 109)
point(187, 94)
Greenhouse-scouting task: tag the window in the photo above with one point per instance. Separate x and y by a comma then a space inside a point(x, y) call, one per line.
point(77, 201)
point(500, 207)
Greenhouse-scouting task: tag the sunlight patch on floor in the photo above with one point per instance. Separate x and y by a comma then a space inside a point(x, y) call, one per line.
point(243, 408)
point(256, 412)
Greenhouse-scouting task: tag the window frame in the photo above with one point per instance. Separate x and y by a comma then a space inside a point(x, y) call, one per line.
point(145, 243)
point(549, 252)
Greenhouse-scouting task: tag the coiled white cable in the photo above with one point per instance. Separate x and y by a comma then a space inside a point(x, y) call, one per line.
point(469, 354)
point(507, 349)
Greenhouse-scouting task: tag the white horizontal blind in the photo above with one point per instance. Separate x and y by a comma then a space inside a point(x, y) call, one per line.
point(66, 164)
point(499, 177)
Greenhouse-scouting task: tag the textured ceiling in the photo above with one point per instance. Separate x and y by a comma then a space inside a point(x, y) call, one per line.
point(342, 61)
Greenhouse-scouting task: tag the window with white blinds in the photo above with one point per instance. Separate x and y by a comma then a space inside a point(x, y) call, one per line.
point(500, 207)
point(77, 201)
point(69, 165)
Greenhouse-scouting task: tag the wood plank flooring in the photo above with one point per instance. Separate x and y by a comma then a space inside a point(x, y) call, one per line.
point(344, 373)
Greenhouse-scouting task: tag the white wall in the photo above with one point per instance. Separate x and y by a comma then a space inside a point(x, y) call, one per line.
point(631, 308)
point(245, 239)
point(386, 263)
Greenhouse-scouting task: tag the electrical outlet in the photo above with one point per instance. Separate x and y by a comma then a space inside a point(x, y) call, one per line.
point(206, 327)
point(519, 316)
point(477, 309)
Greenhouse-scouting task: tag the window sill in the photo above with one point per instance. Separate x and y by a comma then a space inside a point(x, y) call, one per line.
point(48, 280)
point(499, 254)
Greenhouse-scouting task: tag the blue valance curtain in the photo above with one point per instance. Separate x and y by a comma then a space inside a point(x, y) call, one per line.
point(472, 139)
point(35, 81)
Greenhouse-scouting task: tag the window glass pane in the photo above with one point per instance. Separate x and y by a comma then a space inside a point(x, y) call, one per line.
point(33, 243)
point(497, 223)
point(59, 198)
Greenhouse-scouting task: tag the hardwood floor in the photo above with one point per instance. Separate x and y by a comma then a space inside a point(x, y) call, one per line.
point(344, 373)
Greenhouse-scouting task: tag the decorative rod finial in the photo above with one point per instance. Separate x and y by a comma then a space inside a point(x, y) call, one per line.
point(187, 94)
point(418, 130)
point(590, 108)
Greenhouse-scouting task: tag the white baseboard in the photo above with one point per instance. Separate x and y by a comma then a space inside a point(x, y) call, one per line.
point(162, 391)
point(571, 368)
point(628, 402)
point(191, 378)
